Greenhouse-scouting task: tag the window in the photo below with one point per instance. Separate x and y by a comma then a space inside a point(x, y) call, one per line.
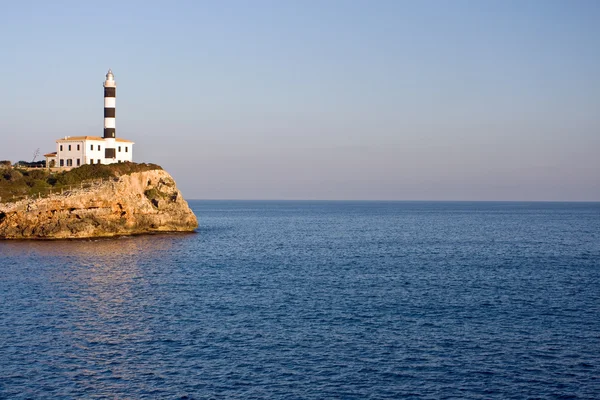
point(119, 149)
point(69, 162)
point(92, 147)
point(91, 161)
point(99, 161)
point(62, 162)
point(61, 147)
point(78, 162)
point(77, 147)
point(69, 147)
point(126, 149)
point(98, 147)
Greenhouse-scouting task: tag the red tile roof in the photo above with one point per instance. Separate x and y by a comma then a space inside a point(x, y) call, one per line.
point(80, 138)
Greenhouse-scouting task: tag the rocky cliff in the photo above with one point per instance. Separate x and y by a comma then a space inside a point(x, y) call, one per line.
point(142, 202)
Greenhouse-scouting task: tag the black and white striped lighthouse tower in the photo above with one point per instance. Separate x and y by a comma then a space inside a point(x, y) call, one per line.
point(110, 94)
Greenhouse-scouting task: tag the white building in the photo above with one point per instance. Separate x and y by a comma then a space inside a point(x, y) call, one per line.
point(74, 151)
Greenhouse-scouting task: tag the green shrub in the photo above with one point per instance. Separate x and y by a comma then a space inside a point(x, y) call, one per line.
point(38, 174)
point(20, 182)
point(98, 171)
point(12, 175)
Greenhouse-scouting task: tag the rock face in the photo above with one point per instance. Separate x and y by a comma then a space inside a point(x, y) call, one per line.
point(143, 202)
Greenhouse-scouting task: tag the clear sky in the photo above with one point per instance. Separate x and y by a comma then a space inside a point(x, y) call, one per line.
point(303, 99)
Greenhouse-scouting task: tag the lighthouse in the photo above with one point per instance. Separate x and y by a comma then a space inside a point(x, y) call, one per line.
point(110, 94)
point(75, 151)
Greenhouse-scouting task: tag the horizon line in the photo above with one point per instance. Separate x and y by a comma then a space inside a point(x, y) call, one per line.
point(408, 201)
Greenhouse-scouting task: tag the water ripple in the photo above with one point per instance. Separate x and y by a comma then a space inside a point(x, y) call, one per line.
point(313, 300)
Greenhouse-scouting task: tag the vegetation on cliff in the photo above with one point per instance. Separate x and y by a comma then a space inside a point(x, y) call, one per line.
point(127, 200)
point(16, 183)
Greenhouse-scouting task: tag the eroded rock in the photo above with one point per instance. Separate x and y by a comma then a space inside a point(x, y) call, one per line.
point(142, 202)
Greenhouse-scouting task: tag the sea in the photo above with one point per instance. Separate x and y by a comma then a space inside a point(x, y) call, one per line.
point(312, 300)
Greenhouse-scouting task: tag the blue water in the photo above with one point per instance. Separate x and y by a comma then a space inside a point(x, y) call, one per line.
point(313, 300)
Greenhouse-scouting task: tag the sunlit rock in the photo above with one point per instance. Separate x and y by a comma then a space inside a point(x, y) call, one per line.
point(142, 202)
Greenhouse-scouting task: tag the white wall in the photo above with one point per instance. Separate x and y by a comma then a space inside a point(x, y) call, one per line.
point(91, 150)
point(125, 153)
point(71, 152)
point(94, 150)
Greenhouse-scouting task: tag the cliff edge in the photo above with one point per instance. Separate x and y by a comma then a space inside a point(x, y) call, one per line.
point(141, 202)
